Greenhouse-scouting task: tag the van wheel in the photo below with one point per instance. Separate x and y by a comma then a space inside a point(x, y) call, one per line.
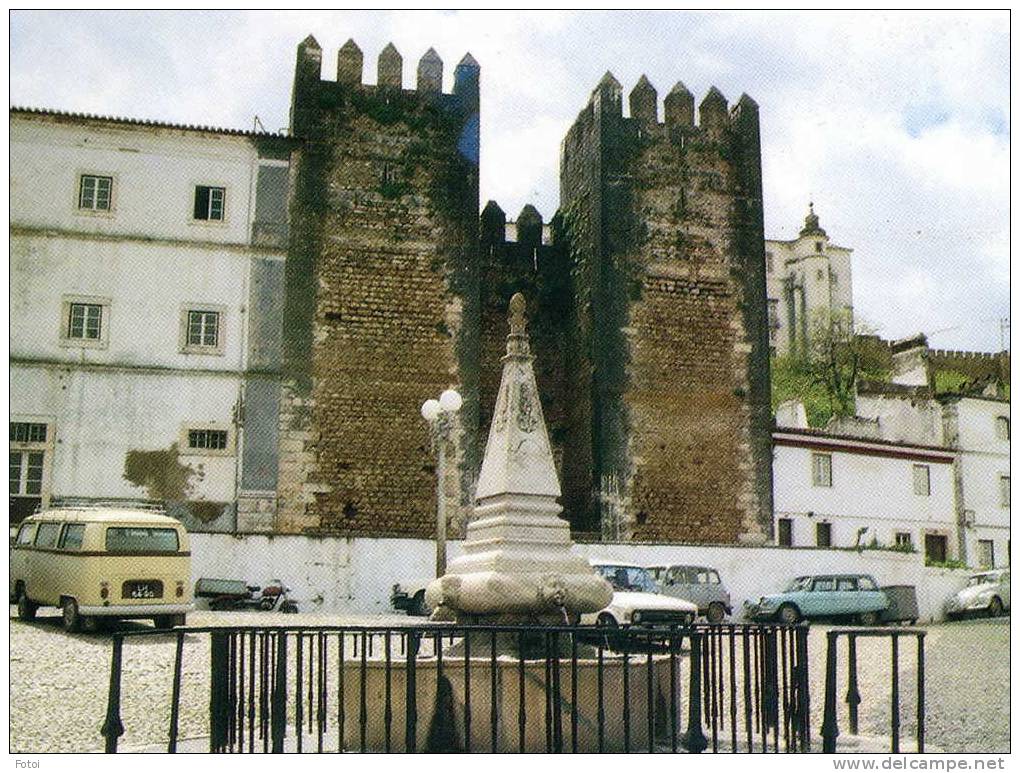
point(163, 622)
point(72, 620)
point(716, 612)
point(26, 608)
point(995, 608)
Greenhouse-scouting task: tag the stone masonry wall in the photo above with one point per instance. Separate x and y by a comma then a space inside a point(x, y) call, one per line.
point(678, 363)
point(383, 246)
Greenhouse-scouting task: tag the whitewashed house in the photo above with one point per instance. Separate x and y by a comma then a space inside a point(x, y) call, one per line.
point(973, 424)
point(807, 279)
point(835, 490)
point(146, 270)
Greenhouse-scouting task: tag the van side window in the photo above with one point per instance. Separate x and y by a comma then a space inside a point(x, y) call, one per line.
point(141, 539)
point(46, 536)
point(71, 539)
point(26, 534)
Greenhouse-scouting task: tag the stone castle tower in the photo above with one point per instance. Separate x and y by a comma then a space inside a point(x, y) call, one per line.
point(648, 327)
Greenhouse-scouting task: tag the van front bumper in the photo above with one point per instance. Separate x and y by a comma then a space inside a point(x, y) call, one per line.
point(136, 610)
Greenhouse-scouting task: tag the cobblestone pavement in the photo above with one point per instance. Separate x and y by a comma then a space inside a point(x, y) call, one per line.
point(59, 683)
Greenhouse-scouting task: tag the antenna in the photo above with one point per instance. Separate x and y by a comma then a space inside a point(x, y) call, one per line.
point(257, 126)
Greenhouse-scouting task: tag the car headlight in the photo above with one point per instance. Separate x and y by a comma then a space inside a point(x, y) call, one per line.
point(636, 617)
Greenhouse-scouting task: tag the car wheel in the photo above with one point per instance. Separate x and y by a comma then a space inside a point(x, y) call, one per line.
point(788, 614)
point(995, 607)
point(26, 609)
point(868, 618)
point(72, 620)
point(418, 606)
point(716, 612)
point(606, 620)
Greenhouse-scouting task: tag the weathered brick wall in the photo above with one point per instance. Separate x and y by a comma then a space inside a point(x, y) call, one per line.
point(382, 300)
point(540, 272)
point(665, 227)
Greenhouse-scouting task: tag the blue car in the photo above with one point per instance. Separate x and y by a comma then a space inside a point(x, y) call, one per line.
point(854, 597)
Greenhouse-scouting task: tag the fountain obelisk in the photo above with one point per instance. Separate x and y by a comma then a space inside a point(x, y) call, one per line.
point(517, 566)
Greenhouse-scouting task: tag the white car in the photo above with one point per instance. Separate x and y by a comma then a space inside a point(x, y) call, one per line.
point(986, 592)
point(637, 599)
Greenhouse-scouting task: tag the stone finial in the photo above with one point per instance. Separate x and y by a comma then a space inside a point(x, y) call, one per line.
point(310, 43)
point(309, 60)
point(679, 106)
point(465, 81)
point(430, 73)
point(644, 105)
point(529, 226)
point(516, 314)
point(811, 226)
point(712, 111)
point(607, 98)
point(390, 68)
point(349, 64)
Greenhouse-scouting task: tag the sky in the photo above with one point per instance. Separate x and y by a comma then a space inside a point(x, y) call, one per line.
point(896, 125)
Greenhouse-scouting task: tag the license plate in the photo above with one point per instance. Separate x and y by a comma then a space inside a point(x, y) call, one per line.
point(142, 589)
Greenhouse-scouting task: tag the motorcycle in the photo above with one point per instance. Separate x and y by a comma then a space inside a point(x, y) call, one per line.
point(226, 595)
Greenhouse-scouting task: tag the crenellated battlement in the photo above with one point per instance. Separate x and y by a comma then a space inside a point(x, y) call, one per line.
point(350, 67)
point(714, 115)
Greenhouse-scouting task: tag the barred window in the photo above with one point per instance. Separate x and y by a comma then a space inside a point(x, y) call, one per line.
point(28, 432)
point(207, 439)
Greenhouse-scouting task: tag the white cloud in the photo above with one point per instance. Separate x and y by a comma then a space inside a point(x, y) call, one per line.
point(895, 124)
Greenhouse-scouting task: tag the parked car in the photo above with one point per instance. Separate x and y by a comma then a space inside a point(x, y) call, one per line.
point(840, 596)
point(985, 593)
point(96, 563)
point(698, 584)
point(637, 599)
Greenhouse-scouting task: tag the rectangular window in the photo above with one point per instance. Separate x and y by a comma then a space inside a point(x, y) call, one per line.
point(46, 536)
point(986, 553)
point(903, 540)
point(1002, 428)
point(28, 432)
point(26, 535)
point(141, 539)
point(785, 536)
point(823, 535)
point(821, 469)
point(209, 439)
point(936, 548)
point(72, 537)
point(203, 328)
point(95, 193)
point(209, 202)
point(26, 472)
point(85, 321)
point(1003, 491)
point(922, 480)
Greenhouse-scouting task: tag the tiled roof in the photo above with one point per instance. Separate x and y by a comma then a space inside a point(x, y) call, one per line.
point(143, 122)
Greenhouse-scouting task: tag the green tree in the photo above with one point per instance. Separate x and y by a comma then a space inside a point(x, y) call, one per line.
point(825, 377)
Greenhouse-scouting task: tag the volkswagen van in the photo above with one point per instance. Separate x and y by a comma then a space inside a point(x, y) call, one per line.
point(102, 563)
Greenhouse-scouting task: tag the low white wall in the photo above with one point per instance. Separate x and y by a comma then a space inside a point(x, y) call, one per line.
point(357, 575)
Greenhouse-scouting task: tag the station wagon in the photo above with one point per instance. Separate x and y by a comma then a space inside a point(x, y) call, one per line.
point(847, 596)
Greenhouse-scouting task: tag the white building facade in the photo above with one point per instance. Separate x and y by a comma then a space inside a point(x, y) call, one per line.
point(146, 299)
point(808, 280)
point(839, 491)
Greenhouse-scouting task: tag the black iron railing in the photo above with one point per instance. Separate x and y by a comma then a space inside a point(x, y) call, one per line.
point(484, 688)
point(830, 725)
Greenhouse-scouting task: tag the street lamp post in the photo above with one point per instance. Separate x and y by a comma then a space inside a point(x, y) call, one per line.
point(439, 415)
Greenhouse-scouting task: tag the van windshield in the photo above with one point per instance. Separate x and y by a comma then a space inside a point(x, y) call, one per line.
point(141, 539)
